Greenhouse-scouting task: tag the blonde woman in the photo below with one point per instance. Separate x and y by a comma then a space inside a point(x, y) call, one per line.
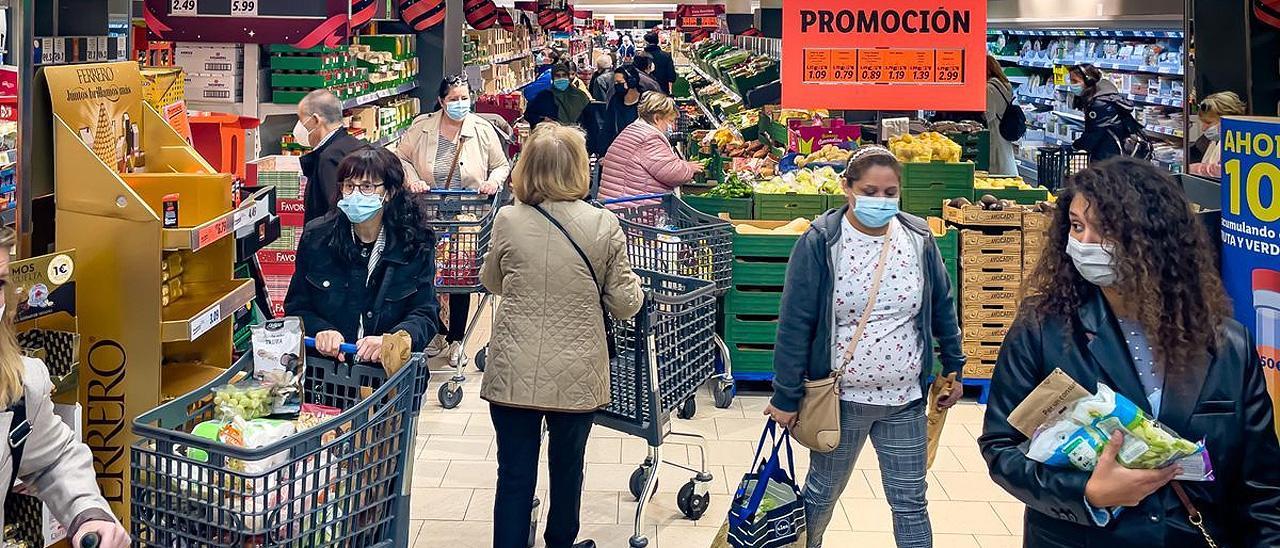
point(556, 261)
point(52, 462)
point(1212, 109)
point(640, 160)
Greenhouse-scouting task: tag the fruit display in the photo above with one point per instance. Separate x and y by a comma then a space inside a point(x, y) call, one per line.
point(733, 187)
point(829, 154)
point(752, 149)
point(982, 181)
point(925, 147)
point(987, 202)
point(795, 227)
point(742, 120)
point(823, 180)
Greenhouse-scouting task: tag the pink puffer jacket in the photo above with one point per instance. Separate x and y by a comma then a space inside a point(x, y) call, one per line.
point(641, 161)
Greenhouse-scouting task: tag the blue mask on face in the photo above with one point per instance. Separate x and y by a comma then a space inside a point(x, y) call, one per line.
point(875, 212)
point(1075, 88)
point(457, 110)
point(561, 84)
point(360, 207)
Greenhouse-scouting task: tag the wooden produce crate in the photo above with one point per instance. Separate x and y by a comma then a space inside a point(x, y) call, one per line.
point(990, 292)
point(1034, 221)
point(984, 331)
point(978, 242)
point(982, 357)
point(785, 207)
point(992, 260)
point(979, 277)
point(988, 313)
point(972, 215)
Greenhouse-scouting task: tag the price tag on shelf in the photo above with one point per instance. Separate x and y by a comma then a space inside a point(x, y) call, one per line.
point(244, 8)
point(205, 321)
point(883, 66)
point(246, 217)
point(213, 232)
point(183, 8)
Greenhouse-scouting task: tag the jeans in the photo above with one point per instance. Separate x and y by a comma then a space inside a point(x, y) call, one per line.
point(898, 434)
point(519, 433)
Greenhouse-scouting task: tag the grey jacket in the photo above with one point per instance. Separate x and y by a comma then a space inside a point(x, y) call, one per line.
point(803, 346)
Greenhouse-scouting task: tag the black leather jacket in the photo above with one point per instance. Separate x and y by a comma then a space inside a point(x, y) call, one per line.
point(1108, 121)
point(1222, 400)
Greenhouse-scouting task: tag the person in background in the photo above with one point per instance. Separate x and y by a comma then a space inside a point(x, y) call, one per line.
point(627, 48)
point(555, 261)
point(641, 160)
point(883, 356)
point(664, 68)
point(563, 102)
point(368, 269)
point(320, 127)
point(1108, 115)
point(52, 461)
point(1212, 109)
point(602, 79)
point(999, 97)
point(644, 65)
point(621, 110)
point(1126, 294)
point(453, 148)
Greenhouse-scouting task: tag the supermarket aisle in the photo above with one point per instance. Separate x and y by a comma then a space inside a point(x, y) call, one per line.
point(453, 483)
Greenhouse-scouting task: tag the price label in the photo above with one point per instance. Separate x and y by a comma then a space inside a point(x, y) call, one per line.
point(205, 321)
point(213, 232)
point(883, 66)
point(244, 8)
point(182, 8)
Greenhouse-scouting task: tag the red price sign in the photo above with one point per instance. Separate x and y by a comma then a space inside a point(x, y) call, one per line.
point(883, 66)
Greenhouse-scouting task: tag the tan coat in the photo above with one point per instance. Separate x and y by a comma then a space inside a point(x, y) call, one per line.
point(548, 349)
point(482, 160)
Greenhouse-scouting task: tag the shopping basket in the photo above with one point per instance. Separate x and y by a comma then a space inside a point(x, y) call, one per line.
point(462, 221)
point(342, 483)
point(664, 354)
point(1055, 164)
point(664, 234)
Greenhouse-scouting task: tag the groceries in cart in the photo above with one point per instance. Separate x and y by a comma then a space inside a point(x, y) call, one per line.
point(1069, 427)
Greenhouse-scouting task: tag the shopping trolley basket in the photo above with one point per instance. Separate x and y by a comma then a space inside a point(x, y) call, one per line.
point(462, 221)
point(341, 483)
point(664, 354)
point(1055, 164)
point(664, 234)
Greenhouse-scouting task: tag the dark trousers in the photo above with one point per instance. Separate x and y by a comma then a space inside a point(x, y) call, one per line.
point(519, 433)
point(459, 309)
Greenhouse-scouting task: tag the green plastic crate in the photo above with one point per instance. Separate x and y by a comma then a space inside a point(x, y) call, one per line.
point(287, 97)
point(746, 246)
point(286, 48)
point(941, 176)
point(751, 359)
point(785, 207)
point(746, 84)
point(835, 201)
point(759, 273)
point(750, 329)
point(309, 62)
point(737, 208)
point(306, 80)
point(738, 302)
point(774, 130)
point(949, 244)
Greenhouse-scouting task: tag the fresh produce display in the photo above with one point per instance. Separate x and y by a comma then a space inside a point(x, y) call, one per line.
point(795, 227)
point(987, 202)
point(745, 119)
point(963, 126)
point(925, 147)
point(752, 149)
point(823, 180)
point(982, 181)
point(733, 187)
point(829, 154)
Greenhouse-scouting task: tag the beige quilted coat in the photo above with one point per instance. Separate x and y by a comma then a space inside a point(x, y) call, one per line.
point(548, 349)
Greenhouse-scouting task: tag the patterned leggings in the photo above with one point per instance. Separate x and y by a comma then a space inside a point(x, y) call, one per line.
point(898, 434)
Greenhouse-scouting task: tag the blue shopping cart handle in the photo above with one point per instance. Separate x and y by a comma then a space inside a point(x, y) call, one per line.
point(453, 191)
point(635, 198)
point(344, 347)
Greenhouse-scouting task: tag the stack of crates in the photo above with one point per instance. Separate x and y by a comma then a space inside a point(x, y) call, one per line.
point(948, 240)
point(751, 307)
point(926, 184)
point(296, 72)
point(389, 59)
point(990, 281)
point(277, 259)
point(1035, 232)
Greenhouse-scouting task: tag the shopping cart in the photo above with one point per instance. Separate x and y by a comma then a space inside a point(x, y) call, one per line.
point(1055, 164)
point(342, 483)
point(664, 354)
point(461, 220)
point(666, 235)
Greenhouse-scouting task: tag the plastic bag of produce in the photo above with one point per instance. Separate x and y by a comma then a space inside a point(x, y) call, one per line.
point(1069, 427)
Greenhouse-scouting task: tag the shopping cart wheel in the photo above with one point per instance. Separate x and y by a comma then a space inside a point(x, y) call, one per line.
point(691, 503)
point(450, 395)
point(687, 409)
point(481, 356)
point(638, 477)
point(722, 393)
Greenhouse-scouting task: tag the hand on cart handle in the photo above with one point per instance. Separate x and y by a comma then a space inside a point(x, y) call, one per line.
point(330, 344)
point(101, 533)
point(784, 418)
point(635, 198)
point(418, 187)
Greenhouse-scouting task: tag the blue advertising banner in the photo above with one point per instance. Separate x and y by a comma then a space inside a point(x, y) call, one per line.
point(1251, 234)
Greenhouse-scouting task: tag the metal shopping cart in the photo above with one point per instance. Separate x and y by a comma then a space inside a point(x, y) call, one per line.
point(341, 483)
point(1055, 164)
point(666, 235)
point(461, 220)
point(664, 354)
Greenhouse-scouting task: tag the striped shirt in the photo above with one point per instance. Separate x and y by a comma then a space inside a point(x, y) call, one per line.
point(446, 151)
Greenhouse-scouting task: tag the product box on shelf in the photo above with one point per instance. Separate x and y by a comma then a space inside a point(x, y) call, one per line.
point(807, 136)
point(210, 58)
point(213, 88)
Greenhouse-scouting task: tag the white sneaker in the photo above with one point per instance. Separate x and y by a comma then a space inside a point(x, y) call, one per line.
point(437, 345)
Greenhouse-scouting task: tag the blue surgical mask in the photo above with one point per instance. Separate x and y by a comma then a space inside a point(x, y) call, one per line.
point(561, 84)
point(1213, 132)
point(457, 110)
point(875, 212)
point(360, 207)
point(1075, 88)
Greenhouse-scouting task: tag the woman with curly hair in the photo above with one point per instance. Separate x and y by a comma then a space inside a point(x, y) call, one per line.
point(1126, 294)
point(367, 269)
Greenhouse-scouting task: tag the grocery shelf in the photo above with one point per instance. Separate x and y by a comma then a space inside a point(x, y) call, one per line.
point(1155, 100)
point(1166, 70)
point(501, 60)
point(1033, 100)
point(1161, 130)
point(280, 109)
point(203, 306)
point(710, 115)
point(1056, 140)
point(179, 379)
point(376, 95)
point(730, 93)
point(1092, 33)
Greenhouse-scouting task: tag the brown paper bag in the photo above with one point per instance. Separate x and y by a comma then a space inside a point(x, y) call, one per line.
point(1051, 399)
point(935, 417)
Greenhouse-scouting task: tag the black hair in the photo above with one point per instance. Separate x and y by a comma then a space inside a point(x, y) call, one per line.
point(1088, 73)
point(629, 75)
point(452, 81)
point(402, 215)
point(561, 67)
point(651, 38)
point(642, 61)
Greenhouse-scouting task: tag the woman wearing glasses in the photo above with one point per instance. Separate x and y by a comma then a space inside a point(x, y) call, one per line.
point(368, 268)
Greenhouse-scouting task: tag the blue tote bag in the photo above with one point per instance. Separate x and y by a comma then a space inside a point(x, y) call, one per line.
point(768, 510)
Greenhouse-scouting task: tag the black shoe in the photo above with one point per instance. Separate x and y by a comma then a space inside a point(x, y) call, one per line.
point(585, 544)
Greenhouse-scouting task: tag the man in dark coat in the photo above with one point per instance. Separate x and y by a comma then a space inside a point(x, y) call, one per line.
point(320, 127)
point(664, 68)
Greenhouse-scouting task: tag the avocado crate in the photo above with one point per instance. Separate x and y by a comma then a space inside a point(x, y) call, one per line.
point(786, 207)
point(736, 208)
point(975, 216)
point(1018, 195)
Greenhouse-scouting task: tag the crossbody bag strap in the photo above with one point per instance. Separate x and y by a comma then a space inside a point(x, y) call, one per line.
point(581, 253)
point(457, 156)
point(19, 429)
point(1193, 515)
point(871, 299)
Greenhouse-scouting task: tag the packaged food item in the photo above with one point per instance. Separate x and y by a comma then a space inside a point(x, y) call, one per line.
point(1069, 427)
point(245, 400)
point(170, 204)
point(313, 415)
point(277, 345)
point(286, 389)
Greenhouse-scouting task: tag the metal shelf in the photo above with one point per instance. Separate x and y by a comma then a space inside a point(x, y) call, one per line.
point(1165, 70)
point(280, 109)
point(1095, 33)
point(723, 86)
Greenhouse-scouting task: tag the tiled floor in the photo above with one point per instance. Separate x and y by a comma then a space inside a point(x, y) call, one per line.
point(454, 476)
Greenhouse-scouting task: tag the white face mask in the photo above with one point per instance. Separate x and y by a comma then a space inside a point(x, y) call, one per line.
point(1094, 262)
point(301, 135)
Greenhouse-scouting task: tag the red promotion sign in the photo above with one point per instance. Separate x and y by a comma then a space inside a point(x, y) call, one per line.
point(699, 16)
point(884, 54)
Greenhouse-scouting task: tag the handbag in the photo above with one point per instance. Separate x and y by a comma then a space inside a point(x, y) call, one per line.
point(768, 509)
point(818, 423)
point(608, 322)
point(1193, 514)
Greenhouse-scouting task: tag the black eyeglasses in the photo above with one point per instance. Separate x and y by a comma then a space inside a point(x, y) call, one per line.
point(366, 188)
